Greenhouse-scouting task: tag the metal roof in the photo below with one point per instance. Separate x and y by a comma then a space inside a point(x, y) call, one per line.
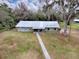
point(76, 20)
point(38, 24)
point(77, 8)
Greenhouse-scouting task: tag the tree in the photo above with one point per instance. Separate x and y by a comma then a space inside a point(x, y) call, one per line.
point(22, 12)
point(66, 12)
point(48, 8)
point(6, 18)
point(68, 8)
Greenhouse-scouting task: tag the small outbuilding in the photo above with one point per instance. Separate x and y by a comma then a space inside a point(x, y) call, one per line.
point(77, 10)
point(25, 26)
point(76, 20)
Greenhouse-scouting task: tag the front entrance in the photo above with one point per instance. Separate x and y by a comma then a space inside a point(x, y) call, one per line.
point(37, 30)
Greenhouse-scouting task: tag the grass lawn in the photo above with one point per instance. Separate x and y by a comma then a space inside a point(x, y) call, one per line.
point(17, 45)
point(73, 25)
point(61, 48)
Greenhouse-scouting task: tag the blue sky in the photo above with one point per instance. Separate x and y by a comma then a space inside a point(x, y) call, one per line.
point(31, 4)
point(12, 1)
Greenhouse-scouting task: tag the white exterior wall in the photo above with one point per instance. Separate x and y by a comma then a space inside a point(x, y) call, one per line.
point(24, 29)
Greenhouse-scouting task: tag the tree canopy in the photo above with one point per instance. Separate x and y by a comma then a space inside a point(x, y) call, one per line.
point(6, 18)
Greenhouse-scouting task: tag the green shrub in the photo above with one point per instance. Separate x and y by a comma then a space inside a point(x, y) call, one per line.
point(7, 19)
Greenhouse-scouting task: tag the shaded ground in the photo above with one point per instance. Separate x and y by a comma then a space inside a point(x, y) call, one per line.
point(17, 45)
point(60, 47)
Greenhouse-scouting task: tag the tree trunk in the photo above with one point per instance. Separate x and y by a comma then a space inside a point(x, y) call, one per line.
point(48, 14)
point(65, 27)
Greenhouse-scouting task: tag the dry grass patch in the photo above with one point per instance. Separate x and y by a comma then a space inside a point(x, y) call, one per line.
point(14, 45)
point(60, 47)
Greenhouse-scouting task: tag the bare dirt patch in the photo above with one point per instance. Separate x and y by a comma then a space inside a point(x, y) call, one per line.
point(75, 33)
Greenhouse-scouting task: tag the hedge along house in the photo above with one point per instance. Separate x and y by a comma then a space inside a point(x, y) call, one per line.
point(25, 26)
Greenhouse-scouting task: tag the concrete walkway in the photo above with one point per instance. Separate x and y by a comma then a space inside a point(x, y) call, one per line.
point(47, 56)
